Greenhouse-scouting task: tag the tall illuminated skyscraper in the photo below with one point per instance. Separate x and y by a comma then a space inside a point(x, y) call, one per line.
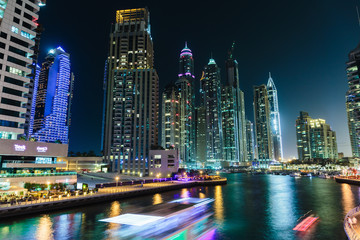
point(250, 141)
point(264, 140)
point(18, 23)
point(170, 129)
point(233, 119)
point(275, 119)
point(211, 90)
point(132, 101)
point(185, 84)
point(50, 114)
point(353, 100)
point(200, 117)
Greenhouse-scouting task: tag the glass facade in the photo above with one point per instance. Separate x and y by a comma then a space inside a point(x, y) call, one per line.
point(211, 90)
point(353, 100)
point(275, 119)
point(185, 85)
point(49, 120)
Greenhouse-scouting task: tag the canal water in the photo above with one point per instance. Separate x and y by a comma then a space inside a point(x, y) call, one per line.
point(248, 207)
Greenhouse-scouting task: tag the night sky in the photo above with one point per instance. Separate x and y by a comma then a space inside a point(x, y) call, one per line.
point(304, 44)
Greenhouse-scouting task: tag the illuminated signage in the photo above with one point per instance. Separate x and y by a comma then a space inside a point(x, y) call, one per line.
point(41, 149)
point(43, 160)
point(19, 148)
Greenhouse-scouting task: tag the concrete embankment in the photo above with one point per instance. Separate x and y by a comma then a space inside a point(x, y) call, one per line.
point(346, 180)
point(66, 203)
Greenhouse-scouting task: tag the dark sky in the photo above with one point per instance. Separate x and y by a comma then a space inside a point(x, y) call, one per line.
point(303, 43)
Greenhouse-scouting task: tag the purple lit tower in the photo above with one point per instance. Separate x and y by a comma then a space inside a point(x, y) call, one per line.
point(50, 113)
point(185, 85)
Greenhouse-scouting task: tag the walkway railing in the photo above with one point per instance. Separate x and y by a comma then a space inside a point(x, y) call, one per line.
point(348, 226)
point(10, 175)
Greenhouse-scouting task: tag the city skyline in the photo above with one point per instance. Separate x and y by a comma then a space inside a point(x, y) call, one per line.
point(311, 69)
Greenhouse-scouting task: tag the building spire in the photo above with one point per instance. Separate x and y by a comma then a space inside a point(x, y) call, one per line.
point(186, 44)
point(231, 51)
point(269, 74)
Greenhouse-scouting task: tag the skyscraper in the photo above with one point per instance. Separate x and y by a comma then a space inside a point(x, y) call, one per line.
point(229, 125)
point(353, 100)
point(250, 141)
point(185, 84)
point(275, 119)
point(50, 113)
point(35, 71)
point(234, 123)
point(210, 87)
point(315, 139)
point(200, 118)
point(170, 129)
point(264, 140)
point(132, 105)
point(18, 21)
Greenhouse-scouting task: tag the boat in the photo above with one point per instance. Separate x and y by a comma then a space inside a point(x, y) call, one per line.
point(324, 176)
point(184, 218)
point(296, 174)
point(305, 222)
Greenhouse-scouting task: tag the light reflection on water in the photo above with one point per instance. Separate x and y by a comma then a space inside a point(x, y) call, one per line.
point(248, 207)
point(219, 203)
point(157, 199)
point(281, 207)
point(347, 198)
point(44, 229)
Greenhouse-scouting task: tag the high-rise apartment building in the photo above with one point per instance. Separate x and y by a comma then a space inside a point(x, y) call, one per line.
point(353, 100)
point(315, 139)
point(18, 23)
point(275, 119)
point(250, 141)
point(132, 105)
point(170, 129)
point(185, 84)
point(51, 103)
point(264, 140)
point(210, 88)
point(234, 123)
point(200, 121)
point(229, 125)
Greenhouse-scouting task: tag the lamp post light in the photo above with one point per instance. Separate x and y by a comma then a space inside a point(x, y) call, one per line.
point(117, 179)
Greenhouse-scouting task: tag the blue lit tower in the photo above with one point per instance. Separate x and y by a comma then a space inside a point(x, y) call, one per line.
point(185, 84)
point(210, 86)
point(274, 119)
point(50, 114)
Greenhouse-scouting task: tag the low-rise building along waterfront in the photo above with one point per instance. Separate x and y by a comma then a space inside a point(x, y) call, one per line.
point(163, 163)
point(34, 162)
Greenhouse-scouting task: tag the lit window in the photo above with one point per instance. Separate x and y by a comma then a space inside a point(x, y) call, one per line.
point(14, 29)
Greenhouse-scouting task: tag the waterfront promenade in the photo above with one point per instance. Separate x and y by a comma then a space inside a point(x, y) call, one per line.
point(103, 195)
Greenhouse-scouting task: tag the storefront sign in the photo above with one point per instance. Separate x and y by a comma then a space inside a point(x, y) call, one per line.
point(41, 149)
point(19, 148)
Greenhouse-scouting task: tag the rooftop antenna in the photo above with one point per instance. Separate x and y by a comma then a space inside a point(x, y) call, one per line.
point(358, 16)
point(231, 51)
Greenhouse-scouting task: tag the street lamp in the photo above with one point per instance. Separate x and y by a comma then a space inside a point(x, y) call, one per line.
point(117, 179)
